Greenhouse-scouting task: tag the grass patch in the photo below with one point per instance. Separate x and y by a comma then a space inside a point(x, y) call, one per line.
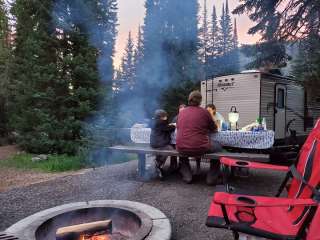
point(64, 163)
point(54, 163)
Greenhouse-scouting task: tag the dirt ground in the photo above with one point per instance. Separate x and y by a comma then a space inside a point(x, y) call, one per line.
point(12, 178)
point(186, 205)
point(7, 151)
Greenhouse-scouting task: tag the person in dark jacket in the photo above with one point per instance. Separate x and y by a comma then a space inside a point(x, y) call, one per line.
point(160, 137)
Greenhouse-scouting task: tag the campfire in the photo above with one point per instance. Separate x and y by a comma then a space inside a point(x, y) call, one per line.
point(101, 230)
point(96, 220)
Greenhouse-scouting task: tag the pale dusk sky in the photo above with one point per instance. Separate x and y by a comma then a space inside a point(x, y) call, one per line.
point(131, 14)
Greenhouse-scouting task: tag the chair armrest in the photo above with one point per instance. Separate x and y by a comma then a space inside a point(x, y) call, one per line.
point(255, 165)
point(227, 199)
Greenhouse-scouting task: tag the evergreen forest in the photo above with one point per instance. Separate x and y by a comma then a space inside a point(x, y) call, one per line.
point(59, 84)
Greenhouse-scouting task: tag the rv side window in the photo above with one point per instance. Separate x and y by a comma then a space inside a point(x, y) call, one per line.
point(280, 103)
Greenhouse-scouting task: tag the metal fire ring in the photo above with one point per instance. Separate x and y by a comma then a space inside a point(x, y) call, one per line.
point(154, 223)
point(5, 236)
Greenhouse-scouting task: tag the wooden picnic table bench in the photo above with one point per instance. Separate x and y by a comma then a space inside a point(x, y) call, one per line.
point(142, 151)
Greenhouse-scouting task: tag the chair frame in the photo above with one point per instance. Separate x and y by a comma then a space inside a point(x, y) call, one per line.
point(301, 232)
point(292, 173)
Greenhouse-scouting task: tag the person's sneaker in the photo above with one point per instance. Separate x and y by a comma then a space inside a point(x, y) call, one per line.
point(159, 172)
point(185, 171)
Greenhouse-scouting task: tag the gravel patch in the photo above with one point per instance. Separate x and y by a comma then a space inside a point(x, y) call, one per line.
point(185, 205)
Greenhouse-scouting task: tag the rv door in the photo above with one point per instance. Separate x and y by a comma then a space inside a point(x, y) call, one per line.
point(280, 111)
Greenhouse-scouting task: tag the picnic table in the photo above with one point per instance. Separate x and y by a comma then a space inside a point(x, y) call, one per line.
point(140, 136)
point(236, 139)
point(142, 151)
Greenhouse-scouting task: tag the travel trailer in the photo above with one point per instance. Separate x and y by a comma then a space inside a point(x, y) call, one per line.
point(280, 100)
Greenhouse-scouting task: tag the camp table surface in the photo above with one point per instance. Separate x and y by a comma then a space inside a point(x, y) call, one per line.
point(237, 139)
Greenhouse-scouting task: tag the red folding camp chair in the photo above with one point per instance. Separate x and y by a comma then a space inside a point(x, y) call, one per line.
point(272, 218)
point(301, 164)
point(295, 217)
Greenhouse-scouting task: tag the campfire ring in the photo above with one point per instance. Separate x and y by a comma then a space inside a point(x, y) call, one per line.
point(153, 224)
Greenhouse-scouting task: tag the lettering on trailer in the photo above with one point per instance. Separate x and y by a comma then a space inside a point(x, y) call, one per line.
point(225, 84)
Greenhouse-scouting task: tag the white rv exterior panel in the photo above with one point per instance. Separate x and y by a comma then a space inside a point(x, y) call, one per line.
point(295, 107)
point(267, 102)
point(254, 94)
point(240, 90)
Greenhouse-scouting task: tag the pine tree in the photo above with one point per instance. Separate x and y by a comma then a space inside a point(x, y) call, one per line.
point(214, 31)
point(33, 72)
point(227, 30)
point(127, 65)
point(117, 83)
point(270, 52)
point(147, 62)
point(295, 19)
point(170, 46)
point(153, 74)
point(181, 49)
point(235, 35)
point(226, 39)
point(4, 65)
point(221, 49)
point(215, 40)
point(204, 50)
point(138, 53)
point(266, 55)
point(306, 66)
point(106, 22)
point(56, 70)
point(235, 52)
point(227, 59)
point(95, 29)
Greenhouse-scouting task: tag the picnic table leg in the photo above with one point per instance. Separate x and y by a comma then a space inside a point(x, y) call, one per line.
point(142, 165)
point(198, 161)
point(226, 172)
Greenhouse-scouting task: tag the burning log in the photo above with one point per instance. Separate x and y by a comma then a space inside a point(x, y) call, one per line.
point(87, 231)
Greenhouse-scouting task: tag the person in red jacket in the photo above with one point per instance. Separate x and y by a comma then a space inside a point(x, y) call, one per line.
point(194, 126)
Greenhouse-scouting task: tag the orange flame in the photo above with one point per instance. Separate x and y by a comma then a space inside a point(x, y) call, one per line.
point(98, 237)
